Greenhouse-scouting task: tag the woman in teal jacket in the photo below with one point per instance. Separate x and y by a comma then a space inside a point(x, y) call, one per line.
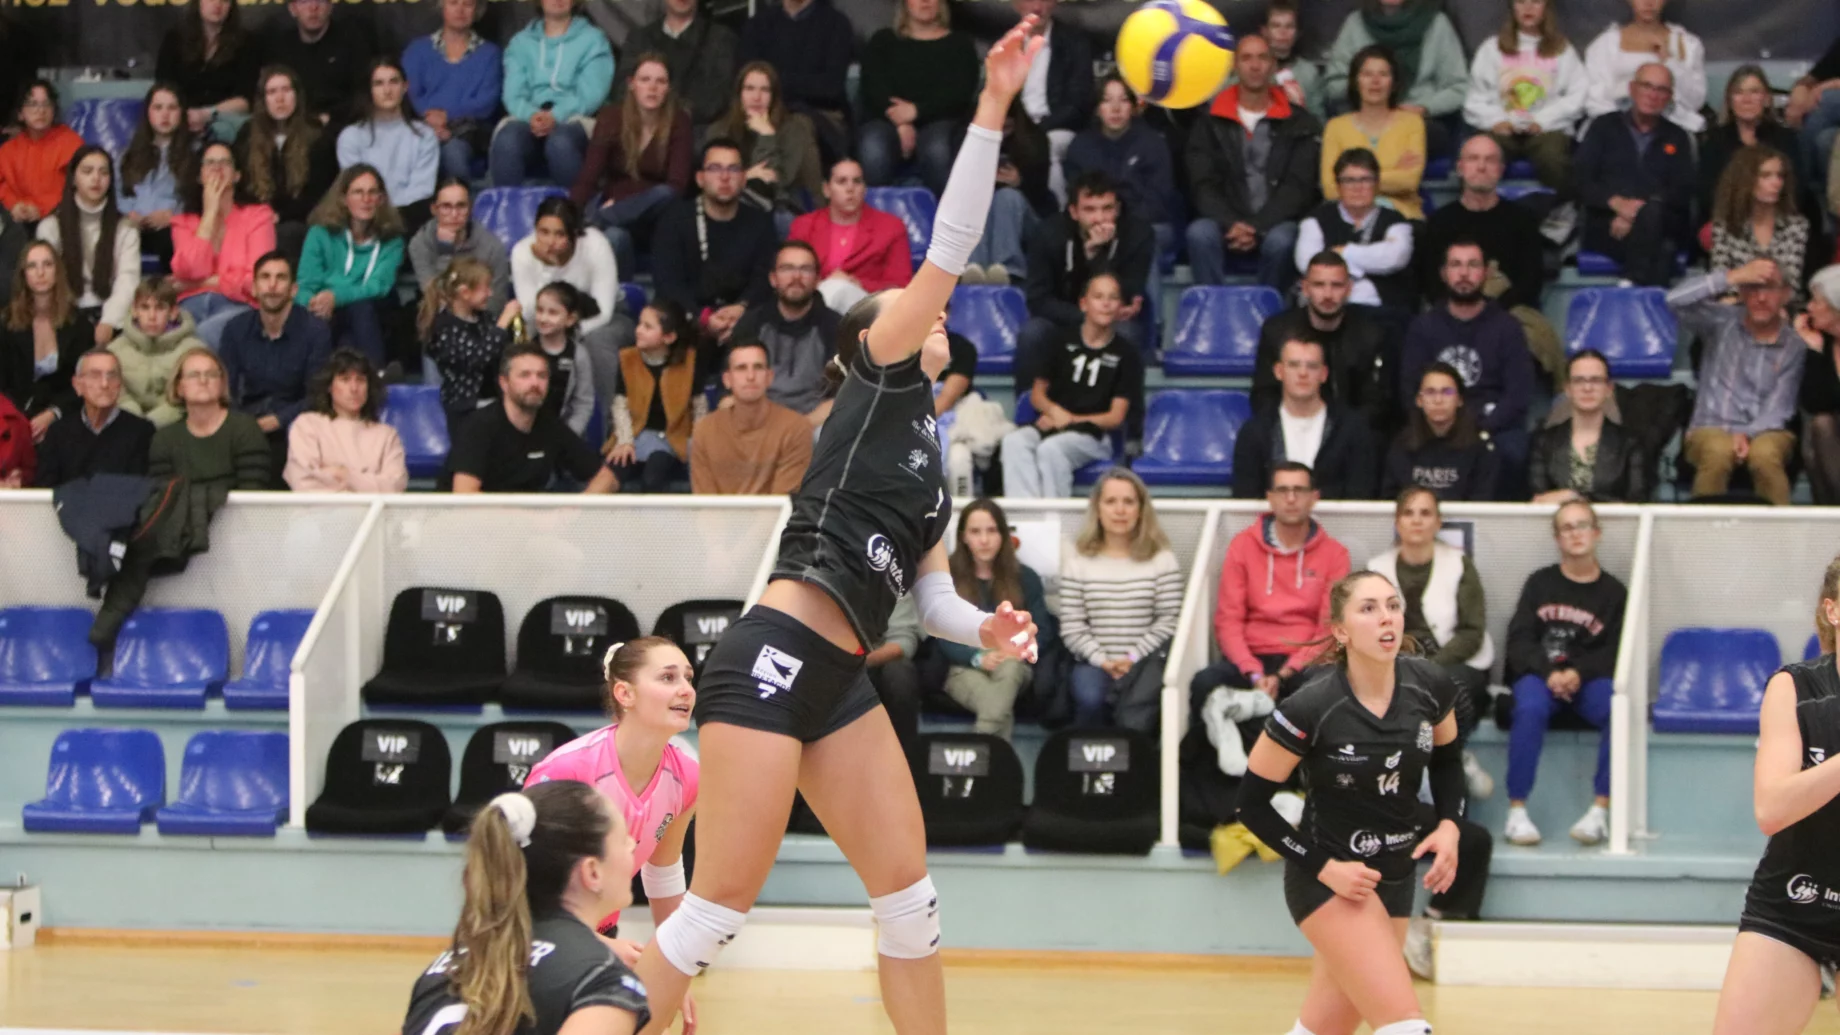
point(348, 265)
point(557, 74)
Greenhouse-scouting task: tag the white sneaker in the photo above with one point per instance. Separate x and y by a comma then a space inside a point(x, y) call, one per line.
point(1519, 830)
point(1418, 949)
point(1229, 749)
point(972, 274)
point(1592, 827)
point(1481, 784)
point(997, 275)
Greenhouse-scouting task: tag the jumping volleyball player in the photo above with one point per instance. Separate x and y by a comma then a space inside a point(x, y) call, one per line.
point(785, 702)
point(1364, 729)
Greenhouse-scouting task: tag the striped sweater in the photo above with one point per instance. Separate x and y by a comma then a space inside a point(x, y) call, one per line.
point(1114, 607)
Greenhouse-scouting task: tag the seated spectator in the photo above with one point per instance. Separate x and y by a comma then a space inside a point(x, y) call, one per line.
point(1446, 612)
point(658, 399)
point(1440, 448)
point(454, 234)
point(287, 160)
point(1070, 248)
point(1634, 175)
point(216, 242)
point(813, 45)
point(389, 139)
point(1527, 89)
point(1377, 123)
point(460, 338)
point(861, 250)
point(1059, 93)
point(798, 331)
point(752, 446)
point(919, 85)
point(1121, 591)
point(98, 437)
point(1587, 455)
point(557, 73)
point(43, 336)
point(147, 352)
point(35, 163)
point(1374, 241)
point(1819, 327)
point(348, 266)
point(557, 320)
point(102, 259)
point(331, 55)
point(1330, 439)
point(891, 670)
point(1561, 656)
point(638, 162)
point(1427, 64)
point(455, 79)
point(1814, 108)
point(778, 147)
point(1358, 375)
point(1300, 78)
point(271, 354)
point(1749, 119)
point(1252, 164)
point(712, 254)
point(217, 448)
point(519, 445)
point(213, 61)
point(18, 455)
point(1135, 156)
point(1748, 380)
point(1754, 217)
point(954, 383)
point(1615, 59)
point(160, 160)
point(340, 444)
point(559, 248)
point(986, 572)
point(698, 52)
point(1087, 382)
point(1021, 199)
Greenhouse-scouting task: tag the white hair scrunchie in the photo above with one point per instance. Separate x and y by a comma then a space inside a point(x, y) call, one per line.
point(607, 661)
point(520, 815)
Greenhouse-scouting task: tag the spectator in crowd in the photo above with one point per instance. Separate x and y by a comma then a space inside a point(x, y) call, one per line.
point(217, 239)
point(215, 447)
point(1754, 217)
point(43, 337)
point(698, 52)
point(389, 139)
point(1121, 590)
point(1059, 92)
point(460, 337)
point(18, 455)
point(1587, 455)
point(1440, 447)
point(658, 399)
point(1376, 122)
point(559, 248)
point(638, 162)
point(557, 73)
point(1136, 157)
point(18, 54)
point(954, 383)
point(455, 80)
point(1020, 201)
point(340, 444)
point(1615, 59)
point(1298, 77)
point(1427, 74)
point(331, 55)
point(1819, 327)
point(288, 160)
point(712, 254)
point(861, 250)
point(98, 437)
point(1351, 338)
point(1561, 656)
point(813, 45)
point(1814, 108)
point(348, 265)
point(161, 159)
point(101, 251)
point(778, 147)
point(519, 445)
point(752, 446)
point(986, 572)
point(1087, 383)
point(798, 331)
point(1747, 120)
point(1252, 167)
point(1527, 89)
point(1091, 237)
point(270, 354)
point(1329, 438)
point(561, 308)
point(1748, 380)
point(34, 164)
point(147, 352)
point(920, 80)
point(1634, 175)
point(213, 61)
point(1375, 242)
point(454, 234)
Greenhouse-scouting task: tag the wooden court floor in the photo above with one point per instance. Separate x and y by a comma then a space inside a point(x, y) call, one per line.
point(302, 991)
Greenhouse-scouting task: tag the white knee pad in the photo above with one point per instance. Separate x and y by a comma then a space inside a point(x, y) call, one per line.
point(1416, 1026)
point(907, 921)
point(694, 934)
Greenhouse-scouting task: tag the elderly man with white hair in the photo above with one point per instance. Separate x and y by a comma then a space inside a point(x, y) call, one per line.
point(1819, 327)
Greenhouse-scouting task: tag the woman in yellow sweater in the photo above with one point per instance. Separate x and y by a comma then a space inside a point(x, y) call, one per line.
point(1376, 122)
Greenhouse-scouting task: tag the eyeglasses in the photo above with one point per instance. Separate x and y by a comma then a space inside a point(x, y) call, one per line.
point(202, 376)
point(1291, 490)
point(723, 170)
point(1654, 87)
point(1577, 526)
point(1590, 381)
point(804, 269)
point(1437, 393)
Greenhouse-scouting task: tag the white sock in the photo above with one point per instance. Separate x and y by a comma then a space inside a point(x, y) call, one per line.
point(1416, 1026)
point(1299, 1029)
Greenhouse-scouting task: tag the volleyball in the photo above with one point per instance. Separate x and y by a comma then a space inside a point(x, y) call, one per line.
point(1176, 53)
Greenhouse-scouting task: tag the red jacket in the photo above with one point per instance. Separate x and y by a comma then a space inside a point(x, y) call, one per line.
point(17, 453)
point(249, 234)
point(879, 258)
point(33, 170)
point(1272, 602)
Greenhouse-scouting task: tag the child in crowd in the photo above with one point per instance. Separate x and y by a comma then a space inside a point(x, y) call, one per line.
point(456, 336)
point(561, 307)
point(657, 401)
point(150, 348)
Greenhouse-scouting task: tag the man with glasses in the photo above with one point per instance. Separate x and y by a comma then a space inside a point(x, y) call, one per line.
point(1374, 241)
point(332, 59)
point(1561, 656)
point(798, 331)
point(711, 254)
point(1333, 441)
point(1634, 175)
point(1351, 338)
point(271, 353)
point(99, 437)
point(1587, 455)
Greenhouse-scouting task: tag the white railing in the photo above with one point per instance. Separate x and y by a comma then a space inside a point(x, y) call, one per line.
point(1629, 705)
point(1189, 652)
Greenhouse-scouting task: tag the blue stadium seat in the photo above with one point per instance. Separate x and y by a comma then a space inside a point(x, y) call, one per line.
point(1189, 435)
point(1217, 330)
point(1519, 169)
point(416, 413)
point(274, 636)
point(232, 783)
point(1813, 650)
point(166, 657)
point(1712, 680)
point(1438, 169)
point(1597, 264)
point(1632, 327)
point(634, 298)
point(915, 207)
point(108, 124)
point(511, 212)
point(45, 655)
point(991, 317)
point(1522, 189)
point(101, 781)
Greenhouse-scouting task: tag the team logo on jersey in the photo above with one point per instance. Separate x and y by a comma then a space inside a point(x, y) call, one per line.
point(915, 463)
point(1392, 760)
point(775, 669)
point(880, 552)
point(1817, 755)
point(1424, 736)
point(1365, 843)
point(1344, 780)
point(1802, 889)
point(663, 824)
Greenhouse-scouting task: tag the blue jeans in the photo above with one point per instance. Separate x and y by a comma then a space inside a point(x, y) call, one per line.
point(212, 312)
point(1010, 221)
point(1207, 254)
point(620, 220)
point(515, 149)
point(361, 326)
point(1089, 686)
point(935, 146)
point(457, 159)
point(1534, 707)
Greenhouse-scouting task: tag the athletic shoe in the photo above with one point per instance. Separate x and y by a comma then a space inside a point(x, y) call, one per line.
point(1418, 949)
point(973, 274)
point(1519, 830)
point(1481, 784)
point(1592, 827)
point(997, 275)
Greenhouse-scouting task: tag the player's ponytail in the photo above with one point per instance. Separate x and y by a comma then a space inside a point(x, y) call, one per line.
point(1830, 590)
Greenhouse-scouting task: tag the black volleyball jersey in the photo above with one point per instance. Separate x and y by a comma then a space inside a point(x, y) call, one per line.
point(1361, 772)
point(1798, 881)
point(570, 970)
point(874, 500)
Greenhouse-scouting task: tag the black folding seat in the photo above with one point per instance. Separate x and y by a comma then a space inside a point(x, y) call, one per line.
point(498, 759)
point(970, 787)
point(443, 648)
point(561, 644)
point(1095, 791)
point(383, 776)
point(696, 625)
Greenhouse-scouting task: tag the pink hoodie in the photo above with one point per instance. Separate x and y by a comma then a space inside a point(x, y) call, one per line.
point(1272, 601)
point(249, 234)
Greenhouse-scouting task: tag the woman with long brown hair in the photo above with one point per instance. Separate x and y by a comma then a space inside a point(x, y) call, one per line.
point(778, 147)
point(160, 160)
point(389, 138)
point(287, 159)
point(213, 60)
point(1528, 89)
point(216, 242)
point(638, 161)
point(348, 265)
point(1748, 118)
point(1754, 217)
point(986, 572)
point(101, 251)
point(1440, 447)
point(42, 340)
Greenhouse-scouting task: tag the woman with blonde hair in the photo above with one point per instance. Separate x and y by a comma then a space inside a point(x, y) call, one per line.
point(779, 148)
point(460, 338)
point(638, 161)
point(1754, 217)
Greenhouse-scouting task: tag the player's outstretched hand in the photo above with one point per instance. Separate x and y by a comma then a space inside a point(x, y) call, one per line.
point(1006, 67)
point(1350, 880)
point(1010, 632)
point(1443, 845)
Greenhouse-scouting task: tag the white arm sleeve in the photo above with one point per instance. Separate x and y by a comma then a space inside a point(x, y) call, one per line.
point(945, 614)
point(663, 881)
point(965, 204)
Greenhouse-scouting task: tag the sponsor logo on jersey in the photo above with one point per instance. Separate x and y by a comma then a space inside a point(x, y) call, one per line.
point(1392, 760)
point(1395, 840)
point(1803, 889)
point(1279, 718)
point(915, 463)
point(540, 949)
point(1424, 736)
point(1365, 843)
point(775, 670)
point(880, 553)
point(928, 428)
point(1344, 780)
point(663, 825)
point(1817, 755)
point(1346, 755)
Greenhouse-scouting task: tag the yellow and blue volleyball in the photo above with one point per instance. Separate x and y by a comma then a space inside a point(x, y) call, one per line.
point(1176, 53)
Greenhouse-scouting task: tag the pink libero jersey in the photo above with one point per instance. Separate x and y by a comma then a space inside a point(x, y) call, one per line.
point(593, 760)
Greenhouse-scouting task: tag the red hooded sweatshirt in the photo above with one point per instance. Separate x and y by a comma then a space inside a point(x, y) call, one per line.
point(1273, 600)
